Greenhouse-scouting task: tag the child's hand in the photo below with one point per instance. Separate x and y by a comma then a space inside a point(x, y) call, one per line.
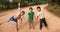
point(0, 24)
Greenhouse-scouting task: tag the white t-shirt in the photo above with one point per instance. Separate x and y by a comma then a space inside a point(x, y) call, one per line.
point(41, 14)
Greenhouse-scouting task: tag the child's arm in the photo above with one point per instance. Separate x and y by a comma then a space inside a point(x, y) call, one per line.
point(37, 17)
point(34, 17)
point(21, 20)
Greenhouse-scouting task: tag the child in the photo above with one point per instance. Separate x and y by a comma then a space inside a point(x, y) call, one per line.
point(31, 17)
point(42, 18)
point(14, 18)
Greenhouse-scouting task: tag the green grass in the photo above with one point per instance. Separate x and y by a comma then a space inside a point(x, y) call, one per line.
point(54, 9)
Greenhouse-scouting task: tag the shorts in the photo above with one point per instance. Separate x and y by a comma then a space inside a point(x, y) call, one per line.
point(12, 19)
point(30, 21)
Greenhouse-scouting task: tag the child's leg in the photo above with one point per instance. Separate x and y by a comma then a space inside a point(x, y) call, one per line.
point(41, 21)
point(41, 24)
point(14, 24)
point(17, 26)
point(33, 24)
point(45, 23)
point(5, 22)
point(29, 24)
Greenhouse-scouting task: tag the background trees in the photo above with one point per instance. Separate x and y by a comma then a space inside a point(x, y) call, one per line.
point(8, 4)
point(32, 2)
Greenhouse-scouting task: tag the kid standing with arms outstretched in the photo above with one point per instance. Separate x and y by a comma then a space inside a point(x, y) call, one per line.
point(40, 15)
point(16, 17)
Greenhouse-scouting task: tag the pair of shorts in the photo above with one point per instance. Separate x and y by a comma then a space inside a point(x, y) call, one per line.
point(30, 21)
point(12, 19)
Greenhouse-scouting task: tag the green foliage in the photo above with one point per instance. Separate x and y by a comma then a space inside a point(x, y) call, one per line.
point(32, 2)
point(4, 4)
point(55, 9)
point(54, 2)
point(22, 0)
point(16, 0)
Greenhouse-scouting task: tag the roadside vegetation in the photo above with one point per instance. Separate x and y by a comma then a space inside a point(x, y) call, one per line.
point(11, 4)
point(8, 4)
point(25, 3)
point(54, 7)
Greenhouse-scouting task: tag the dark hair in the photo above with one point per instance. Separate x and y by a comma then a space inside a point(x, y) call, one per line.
point(23, 12)
point(31, 8)
point(38, 7)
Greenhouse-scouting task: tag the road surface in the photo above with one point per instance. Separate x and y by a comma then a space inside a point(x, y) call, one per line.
point(52, 21)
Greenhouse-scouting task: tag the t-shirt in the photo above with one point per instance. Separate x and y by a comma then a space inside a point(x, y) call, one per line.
point(41, 14)
point(31, 15)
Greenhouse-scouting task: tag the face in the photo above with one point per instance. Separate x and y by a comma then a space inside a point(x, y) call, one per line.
point(22, 14)
point(39, 9)
point(30, 10)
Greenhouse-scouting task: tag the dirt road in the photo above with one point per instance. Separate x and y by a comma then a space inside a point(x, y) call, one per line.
point(52, 21)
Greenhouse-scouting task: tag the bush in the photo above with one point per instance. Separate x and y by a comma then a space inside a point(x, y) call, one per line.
point(8, 5)
point(31, 2)
point(55, 9)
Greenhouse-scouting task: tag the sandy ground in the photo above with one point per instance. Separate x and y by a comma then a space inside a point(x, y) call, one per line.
point(52, 21)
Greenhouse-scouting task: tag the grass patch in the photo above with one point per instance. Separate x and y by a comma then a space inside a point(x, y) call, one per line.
point(55, 9)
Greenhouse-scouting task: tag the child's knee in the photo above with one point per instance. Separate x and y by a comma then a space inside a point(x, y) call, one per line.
point(46, 25)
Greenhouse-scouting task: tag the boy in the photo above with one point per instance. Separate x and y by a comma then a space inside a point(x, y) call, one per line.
point(42, 18)
point(31, 17)
point(14, 18)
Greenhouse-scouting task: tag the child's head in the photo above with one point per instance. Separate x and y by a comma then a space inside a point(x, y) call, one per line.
point(22, 13)
point(39, 8)
point(31, 9)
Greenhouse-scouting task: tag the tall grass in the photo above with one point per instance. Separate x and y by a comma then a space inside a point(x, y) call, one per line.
point(54, 8)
